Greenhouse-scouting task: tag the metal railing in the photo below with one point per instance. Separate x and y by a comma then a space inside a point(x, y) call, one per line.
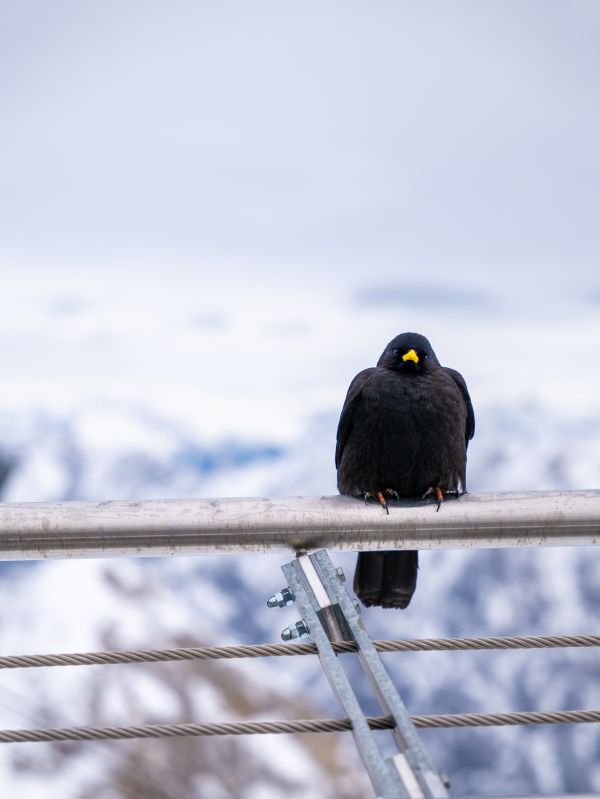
point(292, 524)
point(328, 614)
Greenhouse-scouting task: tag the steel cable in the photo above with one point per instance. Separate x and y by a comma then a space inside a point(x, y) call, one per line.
point(279, 650)
point(297, 726)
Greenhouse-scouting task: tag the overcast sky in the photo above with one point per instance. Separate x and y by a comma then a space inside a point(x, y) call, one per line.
point(417, 158)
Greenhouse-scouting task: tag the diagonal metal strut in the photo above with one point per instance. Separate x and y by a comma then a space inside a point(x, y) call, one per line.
point(330, 615)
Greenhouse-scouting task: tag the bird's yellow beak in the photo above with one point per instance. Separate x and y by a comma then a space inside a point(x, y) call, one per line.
point(411, 355)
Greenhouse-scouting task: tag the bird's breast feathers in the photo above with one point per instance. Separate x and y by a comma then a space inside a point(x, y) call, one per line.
point(417, 397)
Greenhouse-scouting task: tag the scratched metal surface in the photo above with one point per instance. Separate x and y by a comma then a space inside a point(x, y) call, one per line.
point(174, 527)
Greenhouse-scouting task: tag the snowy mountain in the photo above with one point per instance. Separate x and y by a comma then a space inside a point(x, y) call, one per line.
point(118, 451)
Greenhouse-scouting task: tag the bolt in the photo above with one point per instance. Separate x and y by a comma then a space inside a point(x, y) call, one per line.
point(281, 599)
point(445, 779)
point(357, 608)
point(298, 630)
point(340, 573)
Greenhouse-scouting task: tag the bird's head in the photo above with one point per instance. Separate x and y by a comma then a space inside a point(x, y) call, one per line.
point(409, 352)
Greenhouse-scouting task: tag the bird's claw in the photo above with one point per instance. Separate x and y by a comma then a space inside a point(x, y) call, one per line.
point(439, 495)
point(378, 495)
point(382, 502)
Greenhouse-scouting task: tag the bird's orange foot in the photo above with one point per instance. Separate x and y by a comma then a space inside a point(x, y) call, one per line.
point(437, 491)
point(378, 495)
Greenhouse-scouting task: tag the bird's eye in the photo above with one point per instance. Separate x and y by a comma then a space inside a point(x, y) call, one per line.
point(396, 352)
point(425, 357)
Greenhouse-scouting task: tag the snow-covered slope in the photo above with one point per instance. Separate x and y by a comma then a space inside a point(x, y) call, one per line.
point(122, 452)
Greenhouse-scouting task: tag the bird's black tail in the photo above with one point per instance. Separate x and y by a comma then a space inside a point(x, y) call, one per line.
point(388, 579)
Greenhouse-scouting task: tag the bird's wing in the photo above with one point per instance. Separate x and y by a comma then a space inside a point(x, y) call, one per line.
point(460, 382)
point(345, 423)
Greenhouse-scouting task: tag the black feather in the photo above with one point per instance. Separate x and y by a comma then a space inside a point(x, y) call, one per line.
point(405, 426)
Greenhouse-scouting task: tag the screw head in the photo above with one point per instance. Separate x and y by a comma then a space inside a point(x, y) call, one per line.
point(340, 573)
point(281, 599)
point(298, 630)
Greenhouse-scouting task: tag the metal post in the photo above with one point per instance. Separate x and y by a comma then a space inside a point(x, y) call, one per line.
point(330, 615)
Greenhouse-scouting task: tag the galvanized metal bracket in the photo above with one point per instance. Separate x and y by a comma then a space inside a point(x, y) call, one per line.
point(330, 615)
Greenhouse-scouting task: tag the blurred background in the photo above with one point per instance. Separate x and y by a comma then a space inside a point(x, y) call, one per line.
point(212, 215)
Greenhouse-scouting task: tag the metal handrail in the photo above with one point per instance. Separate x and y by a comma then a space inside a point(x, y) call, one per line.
point(30, 531)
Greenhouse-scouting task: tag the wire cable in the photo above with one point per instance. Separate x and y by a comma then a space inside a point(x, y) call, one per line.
point(279, 650)
point(297, 726)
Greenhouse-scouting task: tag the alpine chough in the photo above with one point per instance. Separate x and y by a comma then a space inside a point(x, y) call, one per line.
point(403, 432)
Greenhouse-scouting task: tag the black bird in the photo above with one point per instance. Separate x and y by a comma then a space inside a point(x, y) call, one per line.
point(404, 431)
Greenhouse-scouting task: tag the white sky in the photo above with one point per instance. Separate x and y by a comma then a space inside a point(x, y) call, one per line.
point(228, 209)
